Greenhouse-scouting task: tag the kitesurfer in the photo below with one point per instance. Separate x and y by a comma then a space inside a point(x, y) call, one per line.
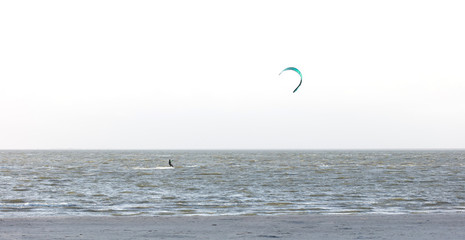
point(169, 162)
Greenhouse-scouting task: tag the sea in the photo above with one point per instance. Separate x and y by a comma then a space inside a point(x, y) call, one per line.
point(253, 182)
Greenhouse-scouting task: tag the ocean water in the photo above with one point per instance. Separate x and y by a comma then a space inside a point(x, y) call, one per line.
point(120, 183)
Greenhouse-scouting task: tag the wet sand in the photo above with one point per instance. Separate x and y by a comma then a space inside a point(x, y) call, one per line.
point(411, 226)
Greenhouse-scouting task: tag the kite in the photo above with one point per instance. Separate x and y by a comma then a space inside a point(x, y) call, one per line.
point(297, 71)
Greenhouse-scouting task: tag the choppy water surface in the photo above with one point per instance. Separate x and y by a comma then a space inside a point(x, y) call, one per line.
point(36, 183)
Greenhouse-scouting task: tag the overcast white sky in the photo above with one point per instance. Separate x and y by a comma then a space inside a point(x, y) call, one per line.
point(204, 74)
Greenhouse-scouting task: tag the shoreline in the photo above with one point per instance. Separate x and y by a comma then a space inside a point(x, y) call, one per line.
point(357, 226)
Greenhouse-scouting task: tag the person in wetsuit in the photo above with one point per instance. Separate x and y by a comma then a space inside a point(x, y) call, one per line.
point(169, 162)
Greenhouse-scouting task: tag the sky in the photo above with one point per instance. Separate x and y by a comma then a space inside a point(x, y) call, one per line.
point(205, 74)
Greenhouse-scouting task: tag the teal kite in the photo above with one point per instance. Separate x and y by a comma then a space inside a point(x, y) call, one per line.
point(295, 70)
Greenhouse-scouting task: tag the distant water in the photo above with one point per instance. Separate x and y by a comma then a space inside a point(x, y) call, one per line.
point(106, 183)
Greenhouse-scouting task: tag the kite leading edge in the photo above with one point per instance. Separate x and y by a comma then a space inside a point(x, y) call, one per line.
point(297, 71)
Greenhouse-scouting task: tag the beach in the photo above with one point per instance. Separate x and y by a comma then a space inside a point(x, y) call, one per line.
point(357, 226)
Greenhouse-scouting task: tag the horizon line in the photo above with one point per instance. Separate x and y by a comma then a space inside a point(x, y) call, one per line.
point(232, 149)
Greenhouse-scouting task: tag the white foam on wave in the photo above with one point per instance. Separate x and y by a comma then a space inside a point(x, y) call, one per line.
point(154, 168)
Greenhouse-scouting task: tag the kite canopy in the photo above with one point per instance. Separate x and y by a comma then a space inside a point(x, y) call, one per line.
point(295, 70)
